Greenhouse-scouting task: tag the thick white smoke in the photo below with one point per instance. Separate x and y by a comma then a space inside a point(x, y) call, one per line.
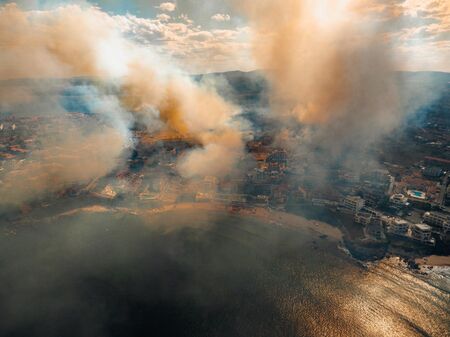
point(328, 69)
point(73, 41)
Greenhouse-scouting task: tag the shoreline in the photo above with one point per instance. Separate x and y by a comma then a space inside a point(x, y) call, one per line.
point(434, 261)
point(276, 218)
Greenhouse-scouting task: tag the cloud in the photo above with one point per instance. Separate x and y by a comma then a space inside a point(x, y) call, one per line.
point(167, 6)
point(195, 49)
point(163, 17)
point(404, 23)
point(416, 27)
point(221, 17)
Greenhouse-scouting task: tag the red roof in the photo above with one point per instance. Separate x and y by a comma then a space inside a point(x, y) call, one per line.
point(441, 160)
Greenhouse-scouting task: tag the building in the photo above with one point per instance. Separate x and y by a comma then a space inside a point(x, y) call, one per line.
point(277, 160)
point(440, 221)
point(261, 200)
point(148, 195)
point(433, 172)
point(352, 204)
point(422, 232)
point(107, 193)
point(259, 176)
point(399, 200)
point(379, 179)
point(397, 226)
point(375, 230)
point(363, 218)
point(375, 227)
point(279, 194)
point(447, 196)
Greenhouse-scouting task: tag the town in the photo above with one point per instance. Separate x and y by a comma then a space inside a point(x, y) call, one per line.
point(404, 207)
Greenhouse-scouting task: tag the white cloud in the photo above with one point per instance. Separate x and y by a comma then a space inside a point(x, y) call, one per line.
point(195, 49)
point(221, 17)
point(167, 7)
point(185, 18)
point(163, 17)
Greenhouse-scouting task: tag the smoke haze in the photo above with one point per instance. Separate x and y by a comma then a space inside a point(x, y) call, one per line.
point(139, 200)
point(74, 41)
point(328, 69)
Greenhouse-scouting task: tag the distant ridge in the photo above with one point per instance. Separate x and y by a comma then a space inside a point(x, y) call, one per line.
point(243, 88)
point(233, 75)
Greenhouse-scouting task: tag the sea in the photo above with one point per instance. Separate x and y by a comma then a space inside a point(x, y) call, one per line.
point(204, 273)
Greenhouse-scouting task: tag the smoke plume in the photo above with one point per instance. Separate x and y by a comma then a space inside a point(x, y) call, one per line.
point(328, 69)
point(74, 41)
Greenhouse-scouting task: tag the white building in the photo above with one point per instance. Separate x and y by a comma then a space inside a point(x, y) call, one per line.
point(107, 193)
point(437, 219)
point(398, 226)
point(399, 200)
point(422, 233)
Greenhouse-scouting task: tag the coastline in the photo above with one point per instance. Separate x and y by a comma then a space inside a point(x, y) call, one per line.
point(276, 218)
point(434, 261)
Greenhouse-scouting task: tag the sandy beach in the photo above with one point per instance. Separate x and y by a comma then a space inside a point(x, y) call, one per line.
point(275, 217)
point(434, 260)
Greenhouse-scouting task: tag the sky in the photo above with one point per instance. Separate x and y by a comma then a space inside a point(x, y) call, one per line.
point(215, 35)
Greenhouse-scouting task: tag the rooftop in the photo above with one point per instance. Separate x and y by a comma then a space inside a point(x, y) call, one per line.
point(423, 227)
